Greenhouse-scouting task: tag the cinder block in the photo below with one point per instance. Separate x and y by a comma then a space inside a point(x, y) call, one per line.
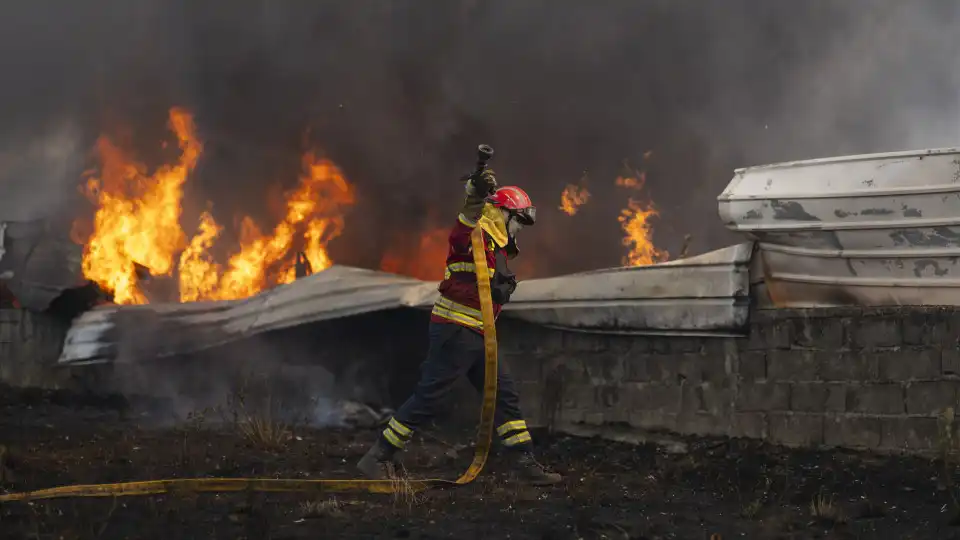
point(724, 347)
point(691, 398)
point(809, 397)
point(929, 398)
point(584, 342)
point(909, 433)
point(8, 332)
point(605, 367)
point(772, 333)
point(577, 396)
point(849, 366)
point(821, 333)
point(795, 429)
point(654, 397)
point(573, 416)
point(836, 400)
point(716, 399)
point(593, 418)
point(660, 345)
point(684, 344)
point(950, 361)
point(881, 398)
point(548, 341)
point(636, 368)
point(949, 319)
point(908, 364)
point(703, 424)
point(640, 344)
point(872, 332)
point(613, 402)
point(523, 367)
point(780, 334)
point(752, 425)
point(653, 420)
point(662, 368)
point(924, 329)
point(689, 367)
point(763, 396)
point(715, 369)
point(753, 365)
point(608, 396)
point(852, 431)
point(622, 345)
point(793, 365)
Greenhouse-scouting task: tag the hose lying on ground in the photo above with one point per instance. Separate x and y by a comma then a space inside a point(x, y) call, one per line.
point(179, 485)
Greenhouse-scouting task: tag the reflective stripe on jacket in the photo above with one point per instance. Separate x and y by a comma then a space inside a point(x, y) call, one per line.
point(459, 302)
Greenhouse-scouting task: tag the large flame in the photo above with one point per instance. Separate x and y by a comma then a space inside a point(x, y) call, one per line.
point(137, 227)
point(314, 207)
point(138, 217)
point(635, 222)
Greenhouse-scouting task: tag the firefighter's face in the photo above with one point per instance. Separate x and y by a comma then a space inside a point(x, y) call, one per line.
point(513, 223)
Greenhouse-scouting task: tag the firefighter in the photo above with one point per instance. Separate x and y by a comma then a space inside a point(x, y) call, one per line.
point(456, 331)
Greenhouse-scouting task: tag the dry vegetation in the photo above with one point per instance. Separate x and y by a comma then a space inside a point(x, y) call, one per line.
point(718, 489)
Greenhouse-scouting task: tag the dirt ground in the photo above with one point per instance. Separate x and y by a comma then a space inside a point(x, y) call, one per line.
point(709, 489)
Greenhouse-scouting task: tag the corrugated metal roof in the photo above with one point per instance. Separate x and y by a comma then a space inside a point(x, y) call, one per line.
point(881, 229)
point(38, 264)
point(701, 295)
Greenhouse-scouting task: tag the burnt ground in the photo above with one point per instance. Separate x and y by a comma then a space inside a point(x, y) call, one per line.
point(733, 489)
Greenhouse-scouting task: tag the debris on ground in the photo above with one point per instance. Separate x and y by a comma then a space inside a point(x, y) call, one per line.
point(713, 489)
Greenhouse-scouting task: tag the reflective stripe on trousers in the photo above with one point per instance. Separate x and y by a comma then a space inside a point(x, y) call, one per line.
point(514, 433)
point(397, 434)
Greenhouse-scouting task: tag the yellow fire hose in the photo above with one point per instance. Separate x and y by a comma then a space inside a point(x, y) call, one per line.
point(180, 485)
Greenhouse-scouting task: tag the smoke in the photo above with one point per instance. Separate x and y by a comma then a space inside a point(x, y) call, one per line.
point(400, 94)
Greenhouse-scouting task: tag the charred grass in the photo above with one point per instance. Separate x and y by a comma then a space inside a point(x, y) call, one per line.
point(713, 489)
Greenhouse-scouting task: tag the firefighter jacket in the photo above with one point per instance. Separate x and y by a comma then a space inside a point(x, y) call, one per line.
point(459, 301)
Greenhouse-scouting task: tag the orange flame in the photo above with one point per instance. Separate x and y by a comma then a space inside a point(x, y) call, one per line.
point(137, 223)
point(199, 275)
point(635, 222)
point(322, 194)
point(429, 255)
point(138, 216)
point(572, 198)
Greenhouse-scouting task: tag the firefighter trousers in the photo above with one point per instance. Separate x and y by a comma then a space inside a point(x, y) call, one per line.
point(456, 351)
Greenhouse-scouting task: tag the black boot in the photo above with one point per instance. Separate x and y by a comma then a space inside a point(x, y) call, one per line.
point(378, 462)
point(531, 471)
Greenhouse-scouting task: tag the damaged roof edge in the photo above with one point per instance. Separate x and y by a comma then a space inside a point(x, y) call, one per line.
point(701, 295)
point(869, 230)
point(38, 264)
point(849, 159)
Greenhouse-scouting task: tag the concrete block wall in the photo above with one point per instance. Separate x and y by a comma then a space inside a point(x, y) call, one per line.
point(30, 344)
point(861, 377)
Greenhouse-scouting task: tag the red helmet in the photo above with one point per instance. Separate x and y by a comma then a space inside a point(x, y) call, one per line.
point(516, 201)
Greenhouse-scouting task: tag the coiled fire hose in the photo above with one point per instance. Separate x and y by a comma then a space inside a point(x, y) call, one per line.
point(180, 485)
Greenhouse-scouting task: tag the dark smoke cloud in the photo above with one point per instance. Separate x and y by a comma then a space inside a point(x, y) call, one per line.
point(399, 93)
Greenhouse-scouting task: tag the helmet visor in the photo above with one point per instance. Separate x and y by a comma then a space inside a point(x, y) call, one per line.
point(527, 216)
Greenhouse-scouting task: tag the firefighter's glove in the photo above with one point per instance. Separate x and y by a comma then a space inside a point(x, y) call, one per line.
point(482, 184)
point(501, 289)
point(504, 282)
